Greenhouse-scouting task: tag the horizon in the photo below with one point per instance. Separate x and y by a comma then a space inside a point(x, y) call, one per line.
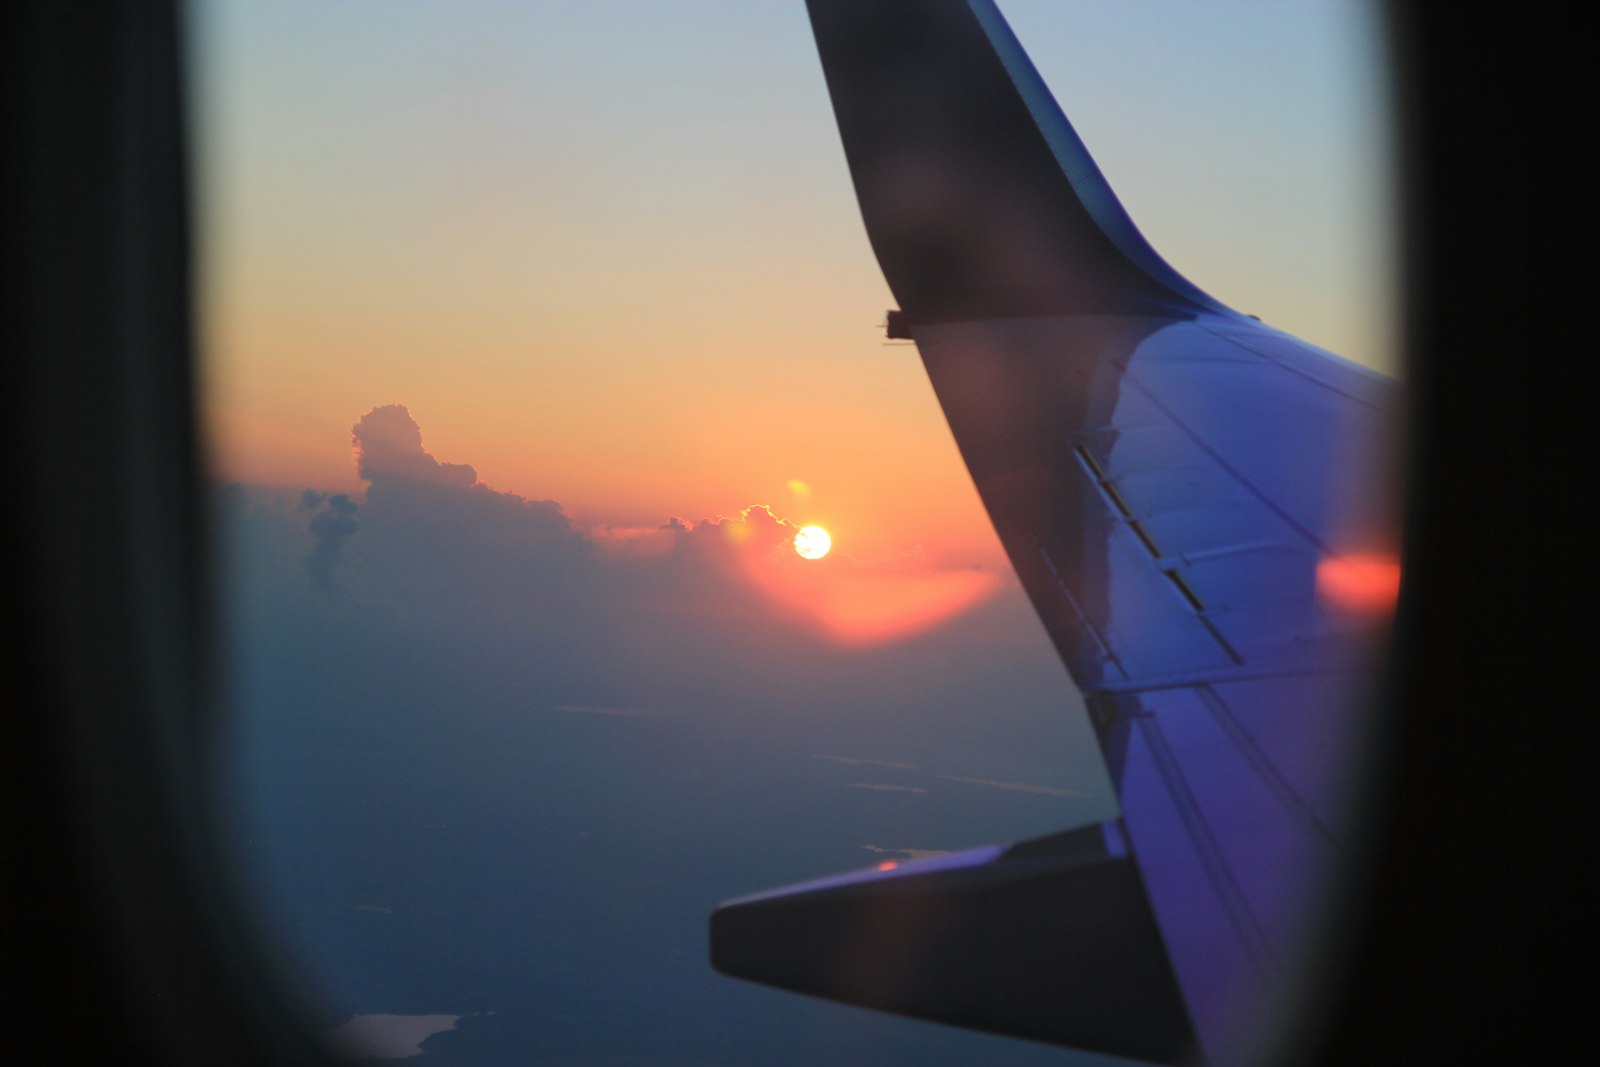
point(632, 279)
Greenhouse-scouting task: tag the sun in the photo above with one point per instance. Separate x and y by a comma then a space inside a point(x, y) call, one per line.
point(812, 542)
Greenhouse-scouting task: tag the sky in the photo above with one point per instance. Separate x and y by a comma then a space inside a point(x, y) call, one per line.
point(608, 253)
point(532, 333)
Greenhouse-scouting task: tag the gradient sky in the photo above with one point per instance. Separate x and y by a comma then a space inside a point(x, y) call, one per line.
point(608, 252)
point(500, 737)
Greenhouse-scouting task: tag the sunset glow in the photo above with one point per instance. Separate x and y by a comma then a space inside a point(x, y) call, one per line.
point(812, 542)
point(521, 284)
point(871, 608)
point(848, 600)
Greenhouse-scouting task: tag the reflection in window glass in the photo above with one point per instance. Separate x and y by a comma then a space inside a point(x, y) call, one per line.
point(535, 333)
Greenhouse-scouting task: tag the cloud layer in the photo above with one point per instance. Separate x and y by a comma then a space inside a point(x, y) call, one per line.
point(462, 722)
point(430, 537)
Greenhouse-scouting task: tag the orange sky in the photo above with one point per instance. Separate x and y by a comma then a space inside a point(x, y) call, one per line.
point(692, 431)
point(626, 277)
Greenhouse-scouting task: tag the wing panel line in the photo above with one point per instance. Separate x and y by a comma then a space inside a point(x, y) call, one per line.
point(1291, 800)
point(1133, 379)
point(1243, 920)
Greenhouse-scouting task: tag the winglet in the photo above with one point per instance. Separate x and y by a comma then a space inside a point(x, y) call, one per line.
point(1052, 940)
point(978, 197)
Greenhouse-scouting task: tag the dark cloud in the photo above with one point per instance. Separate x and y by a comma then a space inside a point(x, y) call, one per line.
point(439, 540)
point(332, 526)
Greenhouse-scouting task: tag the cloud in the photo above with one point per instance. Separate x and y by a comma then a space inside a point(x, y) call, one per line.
point(756, 530)
point(437, 539)
point(436, 688)
point(431, 565)
point(431, 533)
point(847, 600)
point(332, 525)
point(388, 444)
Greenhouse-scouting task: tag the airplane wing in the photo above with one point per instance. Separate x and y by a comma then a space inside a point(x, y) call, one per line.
point(1202, 511)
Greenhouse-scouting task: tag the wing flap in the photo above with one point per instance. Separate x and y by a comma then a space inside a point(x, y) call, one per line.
point(1171, 499)
point(1236, 801)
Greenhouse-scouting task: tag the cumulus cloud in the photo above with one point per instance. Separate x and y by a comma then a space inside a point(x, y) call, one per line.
point(436, 539)
point(551, 613)
point(438, 688)
point(756, 529)
point(332, 525)
point(432, 537)
point(388, 443)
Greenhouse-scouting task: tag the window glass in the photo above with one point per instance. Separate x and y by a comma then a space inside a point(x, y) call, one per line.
point(534, 334)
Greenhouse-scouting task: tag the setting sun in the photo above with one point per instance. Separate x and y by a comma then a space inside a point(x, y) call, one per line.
point(812, 542)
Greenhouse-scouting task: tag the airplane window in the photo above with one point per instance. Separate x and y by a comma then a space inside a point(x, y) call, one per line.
point(589, 558)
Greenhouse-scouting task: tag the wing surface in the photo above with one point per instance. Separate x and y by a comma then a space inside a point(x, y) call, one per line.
point(1202, 512)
